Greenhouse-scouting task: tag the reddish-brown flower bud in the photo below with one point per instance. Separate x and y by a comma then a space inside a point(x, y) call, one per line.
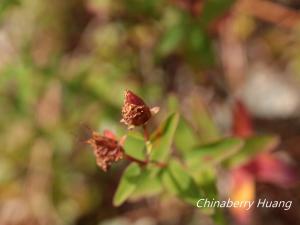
point(106, 148)
point(135, 112)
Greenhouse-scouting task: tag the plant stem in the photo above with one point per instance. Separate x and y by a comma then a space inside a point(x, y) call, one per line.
point(145, 162)
point(147, 142)
point(132, 159)
point(158, 164)
point(146, 133)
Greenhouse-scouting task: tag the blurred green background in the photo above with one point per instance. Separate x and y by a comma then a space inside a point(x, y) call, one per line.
point(64, 65)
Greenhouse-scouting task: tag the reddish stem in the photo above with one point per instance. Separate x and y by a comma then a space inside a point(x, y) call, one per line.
point(159, 164)
point(146, 133)
point(140, 162)
point(145, 162)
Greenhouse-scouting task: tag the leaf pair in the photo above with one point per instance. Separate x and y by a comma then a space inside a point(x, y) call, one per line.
point(137, 181)
point(178, 182)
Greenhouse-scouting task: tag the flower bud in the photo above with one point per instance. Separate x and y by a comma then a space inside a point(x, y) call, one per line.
point(135, 112)
point(106, 148)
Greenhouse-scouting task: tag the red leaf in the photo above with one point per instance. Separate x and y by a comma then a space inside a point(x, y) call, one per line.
point(242, 123)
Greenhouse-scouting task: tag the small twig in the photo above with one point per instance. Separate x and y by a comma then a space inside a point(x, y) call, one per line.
point(145, 162)
point(132, 159)
point(156, 135)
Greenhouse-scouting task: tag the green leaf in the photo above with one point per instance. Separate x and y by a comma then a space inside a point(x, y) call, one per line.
point(136, 183)
point(185, 138)
point(213, 153)
point(252, 147)
point(163, 138)
point(202, 120)
point(178, 182)
point(135, 146)
point(127, 184)
point(149, 184)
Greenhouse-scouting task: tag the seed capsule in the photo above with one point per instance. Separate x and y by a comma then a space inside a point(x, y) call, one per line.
point(135, 112)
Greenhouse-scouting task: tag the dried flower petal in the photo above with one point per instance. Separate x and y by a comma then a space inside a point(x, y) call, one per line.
point(135, 112)
point(107, 150)
point(154, 110)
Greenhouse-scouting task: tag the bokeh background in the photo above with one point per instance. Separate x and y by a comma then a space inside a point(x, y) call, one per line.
point(64, 66)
